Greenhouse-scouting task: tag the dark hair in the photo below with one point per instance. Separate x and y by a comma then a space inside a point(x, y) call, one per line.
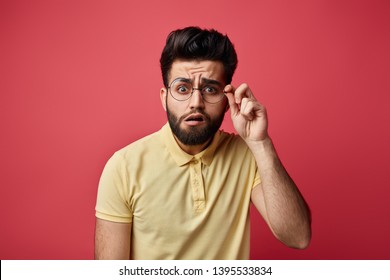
point(194, 43)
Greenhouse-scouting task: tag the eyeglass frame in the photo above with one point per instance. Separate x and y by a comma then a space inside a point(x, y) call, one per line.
point(205, 80)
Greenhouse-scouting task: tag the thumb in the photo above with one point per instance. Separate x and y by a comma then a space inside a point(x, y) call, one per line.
point(229, 93)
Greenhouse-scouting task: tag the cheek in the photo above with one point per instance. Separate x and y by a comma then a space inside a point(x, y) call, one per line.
point(176, 108)
point(217, 110)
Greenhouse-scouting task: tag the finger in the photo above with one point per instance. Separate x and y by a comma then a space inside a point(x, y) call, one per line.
point(251, 108)
point(247, 108)
point(229, 88)
point(243, 91)
point(229, 92)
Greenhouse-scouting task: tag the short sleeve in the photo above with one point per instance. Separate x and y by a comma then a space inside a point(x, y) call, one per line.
point(256, 179)
point(113, 198)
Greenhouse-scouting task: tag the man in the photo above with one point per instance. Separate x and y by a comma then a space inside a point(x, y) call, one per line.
point(184, 192)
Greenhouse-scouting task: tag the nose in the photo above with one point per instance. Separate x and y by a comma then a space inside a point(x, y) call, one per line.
point(196, 100)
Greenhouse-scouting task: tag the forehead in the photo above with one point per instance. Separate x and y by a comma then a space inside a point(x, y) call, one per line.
point(197, 69)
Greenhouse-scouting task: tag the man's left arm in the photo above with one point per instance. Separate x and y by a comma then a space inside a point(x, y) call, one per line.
point(277, 197)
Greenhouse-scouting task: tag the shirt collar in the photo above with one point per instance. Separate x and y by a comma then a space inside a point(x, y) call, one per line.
point(181, 158)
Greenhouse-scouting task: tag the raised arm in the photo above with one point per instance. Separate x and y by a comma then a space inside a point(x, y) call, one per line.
point(112, 240)
point(277, 197)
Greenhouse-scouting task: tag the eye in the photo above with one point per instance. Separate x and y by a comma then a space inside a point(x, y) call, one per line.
point(182, 88)
point(210, 90)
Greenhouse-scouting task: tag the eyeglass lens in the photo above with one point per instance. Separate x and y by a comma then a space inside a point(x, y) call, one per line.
point(182, 90)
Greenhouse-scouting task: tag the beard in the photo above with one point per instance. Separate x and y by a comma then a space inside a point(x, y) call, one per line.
point(194, 135)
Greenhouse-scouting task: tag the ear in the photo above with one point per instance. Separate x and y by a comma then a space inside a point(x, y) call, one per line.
point(163, 97)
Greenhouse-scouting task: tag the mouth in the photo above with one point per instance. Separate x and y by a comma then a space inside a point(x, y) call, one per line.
point(195, 119)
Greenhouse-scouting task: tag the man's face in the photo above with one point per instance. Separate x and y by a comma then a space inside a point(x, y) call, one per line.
point(194, 121)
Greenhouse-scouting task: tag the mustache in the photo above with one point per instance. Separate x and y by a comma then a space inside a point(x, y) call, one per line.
point(196, 111)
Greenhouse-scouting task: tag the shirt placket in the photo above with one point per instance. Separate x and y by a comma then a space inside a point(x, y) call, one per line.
point(197, 185)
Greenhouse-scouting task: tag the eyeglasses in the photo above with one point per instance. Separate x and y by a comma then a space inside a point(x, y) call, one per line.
point(181, 89)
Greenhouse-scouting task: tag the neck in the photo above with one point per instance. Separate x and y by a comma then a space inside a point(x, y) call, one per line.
point(193, 149)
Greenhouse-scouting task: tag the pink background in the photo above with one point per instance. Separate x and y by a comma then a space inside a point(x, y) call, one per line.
point(81, 79)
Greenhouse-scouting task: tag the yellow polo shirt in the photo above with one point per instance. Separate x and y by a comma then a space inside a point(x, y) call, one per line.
point(181, 206)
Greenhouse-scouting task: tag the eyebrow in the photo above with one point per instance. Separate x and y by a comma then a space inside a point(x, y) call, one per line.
point(204, 81)
point(212, 82)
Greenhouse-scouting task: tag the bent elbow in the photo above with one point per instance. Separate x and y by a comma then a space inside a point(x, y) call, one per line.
point(303, 242)
point(296, 241)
